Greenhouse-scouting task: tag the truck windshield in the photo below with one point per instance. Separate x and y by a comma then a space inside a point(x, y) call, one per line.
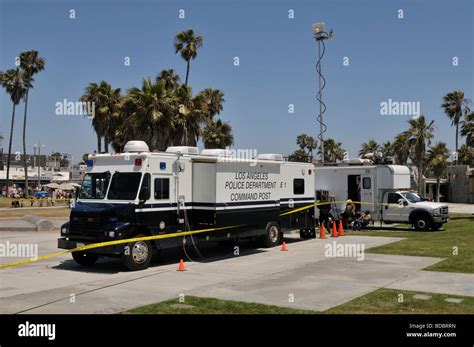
point(94, 185)
point(124, 186)
point(411, 197)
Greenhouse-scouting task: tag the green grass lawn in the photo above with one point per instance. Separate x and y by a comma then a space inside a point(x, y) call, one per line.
point(459, 233)
point(213, 306)
point(387, 301)
point(381, 301)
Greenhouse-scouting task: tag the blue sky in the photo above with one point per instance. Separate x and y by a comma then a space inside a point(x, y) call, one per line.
point(406, 59)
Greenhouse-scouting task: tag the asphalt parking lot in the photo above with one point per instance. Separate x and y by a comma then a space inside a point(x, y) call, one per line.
point(303, 277)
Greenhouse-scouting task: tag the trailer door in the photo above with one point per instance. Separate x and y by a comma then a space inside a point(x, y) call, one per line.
point(367, 188)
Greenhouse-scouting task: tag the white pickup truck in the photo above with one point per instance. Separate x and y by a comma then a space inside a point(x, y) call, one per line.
point(382, 190)
point(407, 207)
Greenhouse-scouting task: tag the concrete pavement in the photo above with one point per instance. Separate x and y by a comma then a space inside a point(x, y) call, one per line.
point(304, 277)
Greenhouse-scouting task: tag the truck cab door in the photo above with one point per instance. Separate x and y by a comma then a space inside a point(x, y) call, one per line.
point(392, 209)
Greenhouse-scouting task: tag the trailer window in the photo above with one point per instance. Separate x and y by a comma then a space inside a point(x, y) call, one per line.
point(124, 186)
point(162, 188)
point(94, 185)
point(366, 183)
point(298, 186)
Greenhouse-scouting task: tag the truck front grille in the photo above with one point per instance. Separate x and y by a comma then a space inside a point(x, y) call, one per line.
point(85, 228)
point(444, 210)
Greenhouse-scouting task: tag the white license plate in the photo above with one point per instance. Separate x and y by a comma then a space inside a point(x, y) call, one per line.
point(79, 244)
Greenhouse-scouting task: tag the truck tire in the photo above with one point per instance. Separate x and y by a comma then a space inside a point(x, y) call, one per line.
point(85, 259)
point(422, 223)
point(138, 256)
point(273, 235)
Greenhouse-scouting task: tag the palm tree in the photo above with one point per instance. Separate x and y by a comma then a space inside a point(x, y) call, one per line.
point(217, 134)
point(333, 151)
point(301, 141)
point(109, 101)
point(187, 44)
point(401, 148)
point(438, 163)
point(467, 128)
point(147, 112)
point(170, 78)
point(105, 100)
point(369, 147)
point(91, 95)
point(211, 100)
point(465, 155)
point(454, 106)
point(387, 152)
point(420, 134)
point(15, 83)
point(311, 145)
point(31, 63)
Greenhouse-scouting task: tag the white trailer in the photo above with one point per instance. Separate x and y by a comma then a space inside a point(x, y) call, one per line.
point(152, 193)
point(383, 190)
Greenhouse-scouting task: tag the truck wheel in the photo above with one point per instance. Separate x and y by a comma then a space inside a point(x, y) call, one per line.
point(85, 259)
point(422, 223)
point(272, 235)
point(137, 255)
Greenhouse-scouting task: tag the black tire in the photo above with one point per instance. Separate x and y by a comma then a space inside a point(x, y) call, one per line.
point(137, 255)
point(422, 223)
point(85, 259)
point(273, 235)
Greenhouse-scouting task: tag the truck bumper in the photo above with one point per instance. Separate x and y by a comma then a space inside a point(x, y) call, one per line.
point(107, 250)
point(440, 219)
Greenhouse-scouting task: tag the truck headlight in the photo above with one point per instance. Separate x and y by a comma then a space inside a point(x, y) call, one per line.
point(64, 231)
point(436, 211)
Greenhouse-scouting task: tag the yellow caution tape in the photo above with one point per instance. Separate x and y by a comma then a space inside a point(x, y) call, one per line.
point(116, 242)
point(166, 236)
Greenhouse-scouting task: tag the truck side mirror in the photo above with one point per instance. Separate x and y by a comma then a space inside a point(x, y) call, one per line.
point(144, 195)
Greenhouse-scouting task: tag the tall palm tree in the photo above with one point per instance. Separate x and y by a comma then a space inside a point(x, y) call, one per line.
point(401, 148)
point(188, 117)
point(109, 101)
point(438, 163)
point(105, 100)
point(454, 105)
point(148, 113)
point(333, 151)
point(467, 128)
point(91, 94)
point(217, 134)
point(311, 145)
point(170, 78)
point(31, 63)
point(420, 135)
point(369, 147)
point(15, 84)
point(187, 43)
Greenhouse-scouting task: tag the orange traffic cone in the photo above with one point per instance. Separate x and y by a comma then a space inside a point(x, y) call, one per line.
point(181, 266)
point(334, 229)
point(322, 232)
point(283, 247)
point(341, 229)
